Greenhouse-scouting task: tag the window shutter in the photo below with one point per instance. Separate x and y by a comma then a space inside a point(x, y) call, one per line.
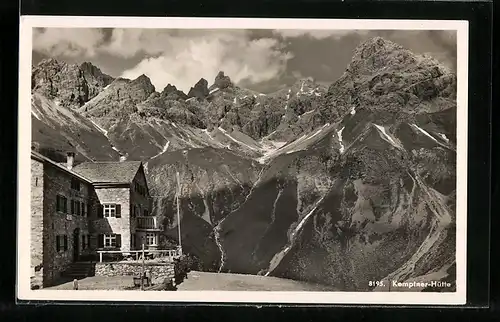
point(118, 211)
point(100, 241)
point(88, 210)
point(100, 211)
point(58, 243)
point(83, 209)
point(65, 204)
point(118, 240)
point(65, 242)
point(58, 203)
point(72, 206)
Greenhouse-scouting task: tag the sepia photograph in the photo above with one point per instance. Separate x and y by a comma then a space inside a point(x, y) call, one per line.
point(242, 160)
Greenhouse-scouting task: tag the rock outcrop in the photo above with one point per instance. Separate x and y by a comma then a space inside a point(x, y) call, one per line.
point(200, 89)
point(68, 84)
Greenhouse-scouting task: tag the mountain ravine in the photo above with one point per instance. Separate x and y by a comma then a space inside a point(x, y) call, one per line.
point(338, 185)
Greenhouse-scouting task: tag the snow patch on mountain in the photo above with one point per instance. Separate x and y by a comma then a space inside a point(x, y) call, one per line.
point(103, 131)
point(424, 132)
point(237, 141)
point(165, 148)
point(339, 134)
point(386, 136)
point(35, 115)
point(308, 112)
point(444, 137)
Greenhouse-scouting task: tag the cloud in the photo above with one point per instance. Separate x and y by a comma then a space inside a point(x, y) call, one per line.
point(316, 34)
point(69, 42)
point(182, 57)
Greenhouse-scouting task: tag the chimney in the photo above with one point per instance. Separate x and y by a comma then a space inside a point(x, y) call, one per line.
point(70, 158)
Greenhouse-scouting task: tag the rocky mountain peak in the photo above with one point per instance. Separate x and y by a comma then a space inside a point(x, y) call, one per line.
point(171, 92)
point(387, 77)
point(143, 82)
point(200, 89)
point(169, 89)
point(50, 62)
point(91, 71)
point(221, 81)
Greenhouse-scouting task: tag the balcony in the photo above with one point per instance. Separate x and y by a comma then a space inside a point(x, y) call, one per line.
point(148, 223)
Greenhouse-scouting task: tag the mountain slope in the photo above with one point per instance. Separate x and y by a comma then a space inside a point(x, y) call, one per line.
point(57, 130)
point(386, 209)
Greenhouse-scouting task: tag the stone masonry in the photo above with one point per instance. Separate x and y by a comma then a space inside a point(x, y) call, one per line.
point(57, 223)
point(36, 215)
point(115, 225)
point(159, 272)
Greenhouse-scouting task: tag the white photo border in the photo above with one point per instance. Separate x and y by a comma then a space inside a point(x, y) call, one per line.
point(27, 23)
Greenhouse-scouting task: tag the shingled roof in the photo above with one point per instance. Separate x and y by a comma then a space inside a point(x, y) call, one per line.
point(116, 172)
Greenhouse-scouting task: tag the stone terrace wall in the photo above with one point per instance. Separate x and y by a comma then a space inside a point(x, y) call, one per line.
point(159, 272)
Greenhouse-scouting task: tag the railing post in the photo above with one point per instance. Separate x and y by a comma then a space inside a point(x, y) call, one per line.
point(100, 257)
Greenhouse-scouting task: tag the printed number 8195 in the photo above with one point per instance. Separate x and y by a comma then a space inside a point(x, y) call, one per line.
point(376, 283)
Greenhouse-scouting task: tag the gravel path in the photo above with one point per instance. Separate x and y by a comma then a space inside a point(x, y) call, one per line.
point(239, 282)
point(202, 281)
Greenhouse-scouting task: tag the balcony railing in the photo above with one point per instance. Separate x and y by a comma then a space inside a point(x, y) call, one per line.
point(148, 222)
point(150, 255)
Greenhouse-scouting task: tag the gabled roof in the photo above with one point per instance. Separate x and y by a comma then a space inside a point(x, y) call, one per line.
point(109, 172)
point(37, 156)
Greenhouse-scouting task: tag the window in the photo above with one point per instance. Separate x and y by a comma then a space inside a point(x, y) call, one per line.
point(111, 210)
point(58, 243)
point(146, 212)
point(140, 189)
point(75, 184)
point(110, 240)
point(65, 242)
point(75, 207)
point(133, 241)
point(61, 204)
point(61, 243)
point(83, 209)
point(36, 181)
point(151, 239)
point(85, 241)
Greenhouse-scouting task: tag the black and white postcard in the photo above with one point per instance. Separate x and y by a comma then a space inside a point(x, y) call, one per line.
point(242, 160)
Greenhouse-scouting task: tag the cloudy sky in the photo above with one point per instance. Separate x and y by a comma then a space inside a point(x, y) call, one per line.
point(262, 60)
